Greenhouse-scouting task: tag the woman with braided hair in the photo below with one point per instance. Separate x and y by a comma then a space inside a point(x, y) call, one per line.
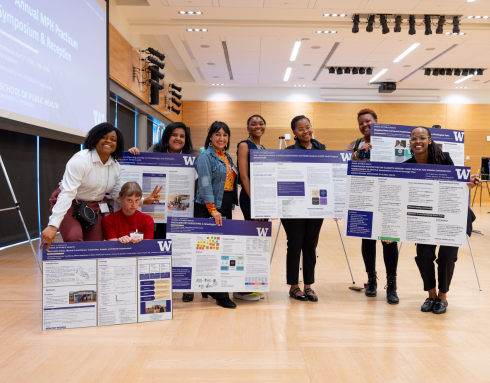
point(425, 151)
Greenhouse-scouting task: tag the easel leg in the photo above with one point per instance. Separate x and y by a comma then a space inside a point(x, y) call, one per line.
point(474, 195)
point(277, 235)
point(400, 249)
point(474, 265)
point(348, 264)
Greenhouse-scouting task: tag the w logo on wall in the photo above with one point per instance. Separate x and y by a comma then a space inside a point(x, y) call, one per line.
point(463, 173)
point(459, 136)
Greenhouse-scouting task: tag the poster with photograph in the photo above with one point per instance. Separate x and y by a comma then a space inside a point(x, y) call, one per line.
point(391, 143)
point(298, 183)
point(175, 172)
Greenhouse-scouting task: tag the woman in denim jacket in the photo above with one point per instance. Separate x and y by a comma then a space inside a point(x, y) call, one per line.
point(217, 181)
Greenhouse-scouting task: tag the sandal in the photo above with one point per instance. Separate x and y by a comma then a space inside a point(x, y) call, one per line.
point(293, 295)
point(311, 297)
point(188, 297)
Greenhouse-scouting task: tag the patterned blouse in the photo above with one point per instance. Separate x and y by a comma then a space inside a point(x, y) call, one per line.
point(230, 178)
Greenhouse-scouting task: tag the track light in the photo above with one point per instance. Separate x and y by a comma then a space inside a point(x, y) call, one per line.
point(370, 24)
point(154, 52)
point(158, 63)
point(473, 72)
point(440, 25)
point(177, 88)
point(427, 72)
point(369, 71)
point(456, 24)
point(339, 70)
point(176, 95)
point(411, 22)
point(156, 84)
point(347, 70)
point(355, 71)
point(384, 24)
point(449, 72)
point(457, 72)
point(176, 111)
point(465, 72)
point(355, 22)
point(155, 71)
point(331, 70)
point(442, 72)
point(480, 72)
point(174, 101)
point(398, 24)
point(435, 72)
point(427, 21)
point(362, 71)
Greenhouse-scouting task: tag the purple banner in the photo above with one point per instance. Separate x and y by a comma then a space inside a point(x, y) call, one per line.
point(230, 227)
point(159, 159)
point(403, 132)
point(301, 156)
point(290, 189)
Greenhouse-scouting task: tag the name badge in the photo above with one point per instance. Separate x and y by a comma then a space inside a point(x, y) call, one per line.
point(104, 208)
point(135, 234)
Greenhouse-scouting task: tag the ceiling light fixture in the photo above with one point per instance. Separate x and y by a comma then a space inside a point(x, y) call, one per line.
point(287, 74)
point(398, 24)
point(355, 22)
point(347, 70)
point(456, 24)
point(427, 72)
point(339, 70)
point(299, 85)
point(295, 51)
point(189, 13)
point(411, 22)
point(435, 72)
point(362, 70)
point(464, 78)
point(217, 84)
point(480, 72)
point(326, 31)
point(440, 25)
point(382, 72)
point(449, 72)
point(384, 24)
point(355, 71)
point(370, 24)
point(334, 15)
point(442, 72)
point(331, 70)
point(196, 30)
point(427, 22)
point(406, 52)
point(457, 72)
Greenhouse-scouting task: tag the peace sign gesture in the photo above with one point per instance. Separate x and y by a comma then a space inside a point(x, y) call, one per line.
point(153, 197)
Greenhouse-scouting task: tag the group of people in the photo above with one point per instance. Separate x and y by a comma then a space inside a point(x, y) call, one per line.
point(95, 171)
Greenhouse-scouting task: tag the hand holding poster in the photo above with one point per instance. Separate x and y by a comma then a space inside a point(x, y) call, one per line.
point(391, 143)
point(175, 172)
point(407, 202)
point(234, 257)
point(298, 183)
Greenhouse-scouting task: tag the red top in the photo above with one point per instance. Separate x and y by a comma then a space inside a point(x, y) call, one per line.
point(118, 224)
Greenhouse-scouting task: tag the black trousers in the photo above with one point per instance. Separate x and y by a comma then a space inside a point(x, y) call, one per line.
point(426, 255)
point(201, 211)
point(302, 235)
point(390, 256)
point(245, 205)
point(160, 231)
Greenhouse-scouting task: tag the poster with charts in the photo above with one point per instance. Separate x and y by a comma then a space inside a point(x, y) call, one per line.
point(407, 202)
point(391, 143)
point(175, 172)
point(298, 183)
point(234, 257)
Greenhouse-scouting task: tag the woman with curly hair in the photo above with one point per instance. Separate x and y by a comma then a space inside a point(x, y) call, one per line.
point(361, 151)
point(89, 175)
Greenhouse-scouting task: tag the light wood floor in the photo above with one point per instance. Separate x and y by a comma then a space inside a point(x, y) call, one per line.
point(345, 337)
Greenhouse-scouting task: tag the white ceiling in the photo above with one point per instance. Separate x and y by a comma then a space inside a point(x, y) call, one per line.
point(260, 35)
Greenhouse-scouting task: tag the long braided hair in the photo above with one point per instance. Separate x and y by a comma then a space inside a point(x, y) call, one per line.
point(435, 154)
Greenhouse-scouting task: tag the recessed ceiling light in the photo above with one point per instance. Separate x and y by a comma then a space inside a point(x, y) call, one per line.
point(343, 15)
point(183, 13)
point(406, 52)
point(462, 33)
point(299, 85)
point(469, 17)
point(204, 30)
point(189, 30)
point(318, 31)
point(326, 15)
point(485, 17)
point(287, 74)
point(477, 17)
point(295, 51)
point(333, 32)
point(382, 72)
point(334, 15)
point(189, 13)
point(218, 84)
point(196, 30)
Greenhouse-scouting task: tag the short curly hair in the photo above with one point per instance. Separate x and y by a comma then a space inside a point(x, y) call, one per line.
point(367, 111)
point(98, 131)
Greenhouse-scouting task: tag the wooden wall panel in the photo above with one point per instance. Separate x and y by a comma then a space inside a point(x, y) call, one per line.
point(233, 113)
point(280, 114)
point(195, 113)
point(120, 52)
point(329, 115)
point(414, 114)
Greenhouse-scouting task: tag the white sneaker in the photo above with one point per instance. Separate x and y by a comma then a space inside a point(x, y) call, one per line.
point(257, 294)
point(246, 297)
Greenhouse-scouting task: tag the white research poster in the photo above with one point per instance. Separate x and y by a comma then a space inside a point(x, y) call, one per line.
point(175, 172)
point(234, 257)
point(391, 143)
point(298, 183)
point(407, 202)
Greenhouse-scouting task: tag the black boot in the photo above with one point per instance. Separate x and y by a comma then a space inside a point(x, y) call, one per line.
point(372, 284)
point(391, 296)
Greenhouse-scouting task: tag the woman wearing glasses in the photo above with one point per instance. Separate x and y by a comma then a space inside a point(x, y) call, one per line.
point(425, 151)
point(361, 151)
point(302, 234)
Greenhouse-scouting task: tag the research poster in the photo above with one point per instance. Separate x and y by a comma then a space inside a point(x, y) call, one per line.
point(175, 172)
point(97, 283)
point(298, 183)
point(234, 257)
point(391, 143)
point(407, 202)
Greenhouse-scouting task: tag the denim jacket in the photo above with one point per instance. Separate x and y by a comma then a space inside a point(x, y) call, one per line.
point(212, 177)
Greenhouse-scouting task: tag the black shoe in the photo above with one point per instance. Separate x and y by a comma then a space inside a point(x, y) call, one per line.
point(371, 285)
point(312, 296)
point(440, 306)
point(293, 295)
point(391, 296)
point(204, 295)
point(226, 302)
point(428, 305)
point(188, 297)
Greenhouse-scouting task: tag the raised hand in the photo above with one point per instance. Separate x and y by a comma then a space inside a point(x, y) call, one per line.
point(154, 196)
point(134, 151)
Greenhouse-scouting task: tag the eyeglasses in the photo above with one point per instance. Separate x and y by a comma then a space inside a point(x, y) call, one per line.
point(421, 138)
point(308, 128)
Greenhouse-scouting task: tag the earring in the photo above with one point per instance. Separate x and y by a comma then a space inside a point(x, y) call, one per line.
point(210, 144)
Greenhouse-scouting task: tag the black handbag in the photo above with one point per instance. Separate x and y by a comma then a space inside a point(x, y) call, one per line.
point(85, 215)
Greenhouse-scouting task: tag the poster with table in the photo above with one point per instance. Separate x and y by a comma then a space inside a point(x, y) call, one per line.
point(234, 257)
point(89, 284)
point(407, 202)
point(175, 172)
point(391, 143)
point(298, 183)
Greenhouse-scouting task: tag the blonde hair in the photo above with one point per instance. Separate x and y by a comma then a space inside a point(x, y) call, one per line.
point(129, 189)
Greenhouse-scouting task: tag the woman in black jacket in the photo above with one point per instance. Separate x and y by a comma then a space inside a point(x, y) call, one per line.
point(302, 233)
point(425, 151)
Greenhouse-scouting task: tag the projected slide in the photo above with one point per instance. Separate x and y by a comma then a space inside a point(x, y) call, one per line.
point(53, 63)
